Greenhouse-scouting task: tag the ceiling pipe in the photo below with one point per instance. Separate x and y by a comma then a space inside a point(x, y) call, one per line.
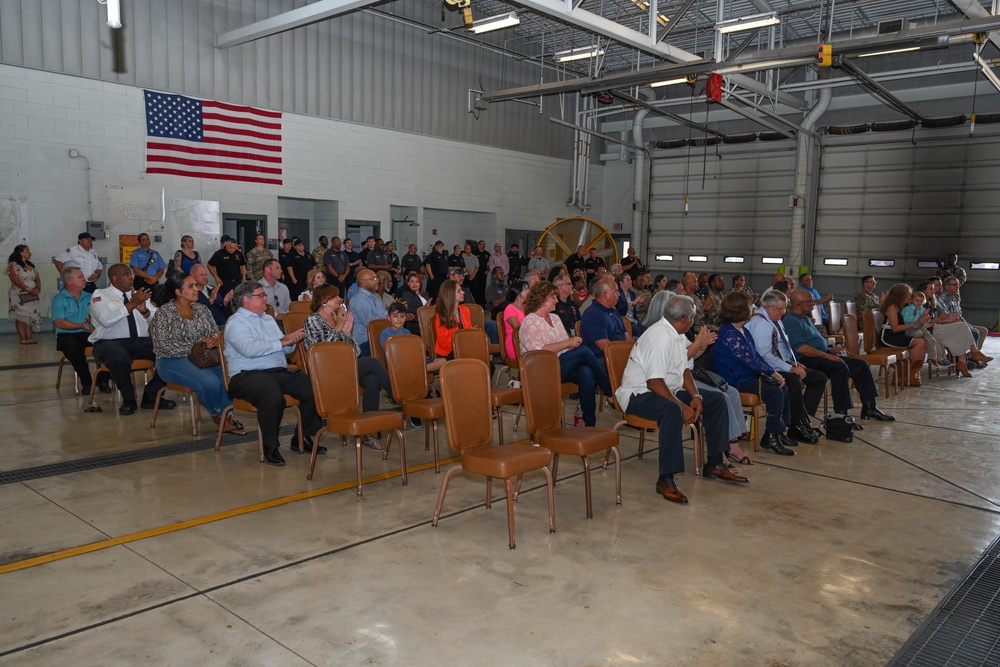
point(803, 148)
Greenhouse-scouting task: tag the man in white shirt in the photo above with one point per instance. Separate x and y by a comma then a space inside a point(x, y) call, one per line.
point(657, 385)
point(277, 293)
point(83, 257)
point(120, 316)
point(538, 262)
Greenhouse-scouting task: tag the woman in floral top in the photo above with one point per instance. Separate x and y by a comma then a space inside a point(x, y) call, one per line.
point(330, 321)
point(543, 331)
point(175, 328)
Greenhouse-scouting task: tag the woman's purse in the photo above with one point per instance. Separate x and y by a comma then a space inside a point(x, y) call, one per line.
point(709, 378)
point(27, 297)
point(204, 356)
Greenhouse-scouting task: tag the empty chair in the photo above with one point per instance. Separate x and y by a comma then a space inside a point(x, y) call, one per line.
point(474, 344)
point(465, 387)
point(405, 359)
point(543, 407)
point(334, 376)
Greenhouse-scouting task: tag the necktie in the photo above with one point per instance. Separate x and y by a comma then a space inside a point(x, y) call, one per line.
point(774, 342)
point(133, 331)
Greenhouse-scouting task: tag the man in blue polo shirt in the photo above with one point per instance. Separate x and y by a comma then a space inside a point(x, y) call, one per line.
point(71, 320)
point(146, 263)
point(812, 351)
point(601, 323)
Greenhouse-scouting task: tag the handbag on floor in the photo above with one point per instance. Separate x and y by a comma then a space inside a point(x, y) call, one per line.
point(837, 428)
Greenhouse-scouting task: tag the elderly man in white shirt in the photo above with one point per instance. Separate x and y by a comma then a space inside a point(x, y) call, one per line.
point(277, 293)
point(657, 385)
point(121, 316)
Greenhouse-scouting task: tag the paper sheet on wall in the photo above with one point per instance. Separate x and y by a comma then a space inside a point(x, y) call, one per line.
point(200, 219)
point(13, 222)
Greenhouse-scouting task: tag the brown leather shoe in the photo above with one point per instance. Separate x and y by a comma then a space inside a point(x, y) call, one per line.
point(723, 473)
point(671, 493)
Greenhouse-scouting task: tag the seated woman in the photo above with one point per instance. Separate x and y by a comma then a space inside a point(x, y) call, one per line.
point(331, 321)
point(917, 308)
point(513, 314)
point(541, 330)
point(315, 278)
point(627, 301)
point(176, 327)
point(414, 297)
point(736, 359)
point(894, 331)
point(949, 330)
point(696, 348)
point(449, 317)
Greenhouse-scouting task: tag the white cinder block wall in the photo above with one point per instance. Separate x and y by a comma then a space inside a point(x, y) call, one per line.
point(365, 170)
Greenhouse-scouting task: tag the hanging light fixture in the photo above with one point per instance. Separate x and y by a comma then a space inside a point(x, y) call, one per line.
point(498, 22)
point(578, 54)
point(748, 22)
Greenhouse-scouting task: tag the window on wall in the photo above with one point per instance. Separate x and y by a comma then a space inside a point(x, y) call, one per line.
point(772, 260)
point(697, 258)
point(835, 261)
point(882, 263)
point(985, 266)
point(927, 264)
point(734, 259)
point(663, 258)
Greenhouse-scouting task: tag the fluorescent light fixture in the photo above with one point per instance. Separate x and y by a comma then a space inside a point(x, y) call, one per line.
point(927, 264)
point(697, 258)
point(578, 54)
point(989, 266)
point(987, 70)
point(664, 258)
point(668, 82)
point(747, 23)
point(735, 259)
point(498, 22)
point(114, 13)
point(888, 52)
point(883, 263)
point(772, 260)
point(835, 261)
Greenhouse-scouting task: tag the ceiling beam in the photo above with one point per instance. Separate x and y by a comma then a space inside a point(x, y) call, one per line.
point(317, 11)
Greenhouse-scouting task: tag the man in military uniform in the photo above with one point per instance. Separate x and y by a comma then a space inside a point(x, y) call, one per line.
point(256, 258)
point(319, 251)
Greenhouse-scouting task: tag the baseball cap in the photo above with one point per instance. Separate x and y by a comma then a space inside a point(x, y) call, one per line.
point(439, 243)
point(456, 270)
point(85, 235)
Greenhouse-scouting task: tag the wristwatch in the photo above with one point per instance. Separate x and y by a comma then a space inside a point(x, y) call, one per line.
point(698, 396)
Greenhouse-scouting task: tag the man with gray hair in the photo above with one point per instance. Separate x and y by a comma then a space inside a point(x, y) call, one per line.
point(772, 343)
point(600, 323)
point(657, 385)
point(259, 374)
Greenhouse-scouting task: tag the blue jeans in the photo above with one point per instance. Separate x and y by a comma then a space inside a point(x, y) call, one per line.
point(490, 327)
point(206, 382)
point(579, 365)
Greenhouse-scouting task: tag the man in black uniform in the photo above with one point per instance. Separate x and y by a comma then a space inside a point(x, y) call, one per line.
point(436, 268)
point(591, 264)
point(228, 265)
point(575, 261)
point(516, 261)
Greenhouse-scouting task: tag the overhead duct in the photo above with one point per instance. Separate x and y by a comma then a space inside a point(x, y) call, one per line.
point(803, 151)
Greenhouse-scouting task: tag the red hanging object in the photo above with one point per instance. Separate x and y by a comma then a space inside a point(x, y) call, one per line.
point(713, 88)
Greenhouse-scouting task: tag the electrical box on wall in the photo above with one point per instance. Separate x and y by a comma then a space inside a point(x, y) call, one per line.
point(96, 229)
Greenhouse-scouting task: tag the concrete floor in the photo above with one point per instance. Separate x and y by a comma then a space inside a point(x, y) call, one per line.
point(831, 557)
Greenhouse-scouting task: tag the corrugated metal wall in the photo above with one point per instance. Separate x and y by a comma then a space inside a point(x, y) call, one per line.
point(364, 67)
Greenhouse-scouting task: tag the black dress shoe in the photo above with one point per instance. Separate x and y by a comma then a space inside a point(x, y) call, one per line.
point(104, 388)
point(869, 411)
point(797, 433)
point(786, 441)
point(672, 493)
point(771, 442)
point(722, 472)
point(307, 445)
point(127, 409)
point(272, 457)
point(806, 427)
point(165, 404)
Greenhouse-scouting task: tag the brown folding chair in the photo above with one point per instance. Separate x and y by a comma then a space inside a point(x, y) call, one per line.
point(510, 365)
point(425, 316)
point(246, 406)
point(300, 307)
point(543, 408)
point(334, 380)
point(474, 344)
point(478, 318)
point(616, 355)
point(873, 320)
point(756, 410)
point(375, 329)
point(884, 358)
point(465, 387)
point(293, 322)
point(89, 352)
point(189, 395)
point(143, 365)
point(407, 364)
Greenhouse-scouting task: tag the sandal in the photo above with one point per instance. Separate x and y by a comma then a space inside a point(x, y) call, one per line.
point(373, 443)
point(237, 429)
point(745, 461)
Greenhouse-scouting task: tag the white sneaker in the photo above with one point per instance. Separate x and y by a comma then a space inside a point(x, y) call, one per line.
point(514, 384)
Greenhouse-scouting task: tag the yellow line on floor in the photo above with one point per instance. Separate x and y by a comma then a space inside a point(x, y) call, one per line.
point(202, 520)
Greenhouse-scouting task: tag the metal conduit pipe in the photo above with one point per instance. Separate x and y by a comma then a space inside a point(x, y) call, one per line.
point(803, 148)
point(640, 203)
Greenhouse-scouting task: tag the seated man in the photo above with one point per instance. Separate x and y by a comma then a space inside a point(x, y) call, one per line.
point(220, 305)
point(813, 352)
point(867, 299)
point(366, 306)
point(567, 311)
point(120, 317)
point(71, 320)
point(496, 292)
point(772, 344)
point(657, 385)
point(259, 374)
point(277, 293)
point(601, 323)
point(806, 283)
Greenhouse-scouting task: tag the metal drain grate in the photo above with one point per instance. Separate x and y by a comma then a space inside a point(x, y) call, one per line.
point(964, 629)
point(120, 458)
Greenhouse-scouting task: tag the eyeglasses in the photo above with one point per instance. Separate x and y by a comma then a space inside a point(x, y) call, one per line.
point(257, 296)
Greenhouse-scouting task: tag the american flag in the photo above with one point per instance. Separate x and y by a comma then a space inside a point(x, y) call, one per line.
point(205, 139)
